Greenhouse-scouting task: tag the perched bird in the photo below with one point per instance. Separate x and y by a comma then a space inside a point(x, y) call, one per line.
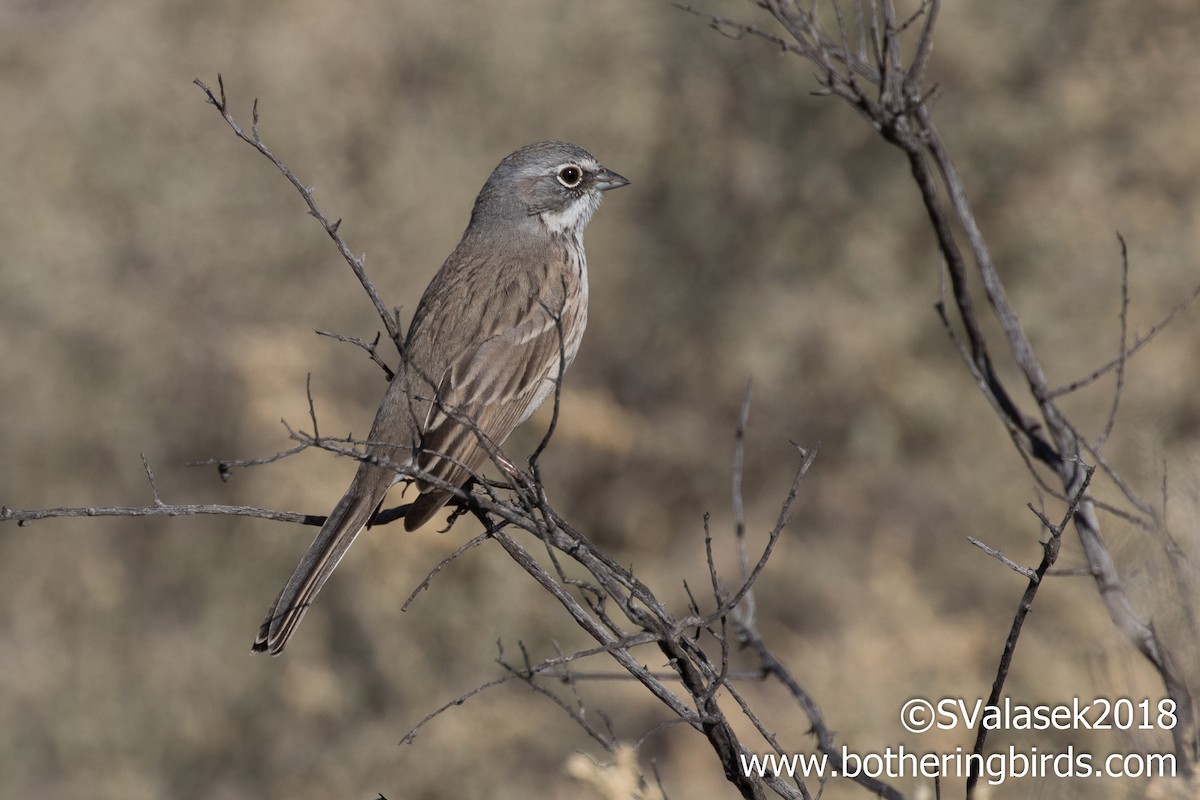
point(484, 349)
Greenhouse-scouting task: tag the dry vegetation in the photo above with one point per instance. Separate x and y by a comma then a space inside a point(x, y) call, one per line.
point(159, 284)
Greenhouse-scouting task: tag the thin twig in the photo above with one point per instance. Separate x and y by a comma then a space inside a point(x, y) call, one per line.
point(372, 349)
point(441, 565)
point(526, 676)
point(150, 477)
point(1050, 551)
point(1003, 559)
point(1138, 343)
point(562, 369)
point(1122, 356)
point(356, 263)
point(739, 509)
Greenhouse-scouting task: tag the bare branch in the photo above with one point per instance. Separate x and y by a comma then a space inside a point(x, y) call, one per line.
point(1122, 356)
point(900, 113)
point(356, 262)
point(1049, 555)
point(739, 511)
point(150, 477)
point(556, 315)
point(371, 349)
point(1138, 343)
point(785, 515)
point(441, 565)
point(1003, 559)
point(159, 509)
point(576, 713)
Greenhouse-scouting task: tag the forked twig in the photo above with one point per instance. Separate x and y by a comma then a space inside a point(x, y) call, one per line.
point(1050, 550)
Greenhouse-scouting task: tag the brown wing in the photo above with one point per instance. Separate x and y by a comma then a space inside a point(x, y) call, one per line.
point(488, 390)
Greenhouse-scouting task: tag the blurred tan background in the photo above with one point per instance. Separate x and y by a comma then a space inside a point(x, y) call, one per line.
point(159, 283)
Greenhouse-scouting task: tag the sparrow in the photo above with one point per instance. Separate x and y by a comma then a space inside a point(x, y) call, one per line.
point(495, 328)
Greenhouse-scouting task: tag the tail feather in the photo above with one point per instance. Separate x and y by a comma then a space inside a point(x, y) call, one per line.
point(427, 504)
point(345, 522)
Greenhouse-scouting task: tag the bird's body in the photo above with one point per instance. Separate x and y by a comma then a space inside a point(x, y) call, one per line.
point(484, 349)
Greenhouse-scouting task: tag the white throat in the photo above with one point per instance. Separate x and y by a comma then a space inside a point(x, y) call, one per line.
point(574, 218)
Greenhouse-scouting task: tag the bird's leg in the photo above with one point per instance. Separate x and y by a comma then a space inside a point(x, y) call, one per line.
point(459, 506)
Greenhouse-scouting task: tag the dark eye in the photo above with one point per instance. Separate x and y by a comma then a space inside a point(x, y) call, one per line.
point(570, 176)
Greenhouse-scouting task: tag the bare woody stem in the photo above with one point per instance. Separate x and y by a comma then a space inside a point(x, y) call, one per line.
point(356, 263)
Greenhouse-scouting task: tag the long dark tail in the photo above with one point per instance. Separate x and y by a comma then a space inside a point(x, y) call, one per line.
point(345, 522)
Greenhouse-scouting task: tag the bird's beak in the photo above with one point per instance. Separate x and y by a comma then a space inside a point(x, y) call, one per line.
point(607, 179)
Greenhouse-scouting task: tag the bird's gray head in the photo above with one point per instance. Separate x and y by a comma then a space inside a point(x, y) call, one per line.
point(556, 184)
